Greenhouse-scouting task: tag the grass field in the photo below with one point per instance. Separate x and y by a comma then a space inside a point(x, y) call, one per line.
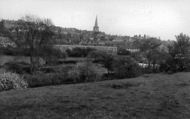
point(154, 96)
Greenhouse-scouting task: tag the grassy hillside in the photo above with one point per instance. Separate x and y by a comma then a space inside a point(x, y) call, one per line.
point(155, 96)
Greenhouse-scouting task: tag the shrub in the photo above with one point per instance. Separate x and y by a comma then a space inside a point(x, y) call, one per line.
point(11, 81)
point(103, 58)
point(52, 55)
point(85, 72)
point(179, 58)
point(55, 69)
point(14, 51)
point(82, 72)
point(126, 67)
point(122, 51)
point(74, 75)
point(42, 79)
point(18, 67)
point(79, 52)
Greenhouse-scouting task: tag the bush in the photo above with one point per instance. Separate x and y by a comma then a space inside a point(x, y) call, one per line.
point(122, 51)
point(11, 81)
point(55, 69)
point(74, 75)
point(82, 72)
point(85, 72)
point(178, 51)
point(79, 52)
point(14, 51)
point(126, 67)
point(52, 55)
point(175, 65)
point(42, 79)
point(103, 58)
point(18, 67)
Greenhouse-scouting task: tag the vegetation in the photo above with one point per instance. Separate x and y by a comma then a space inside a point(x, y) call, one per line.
point(179, 54)
point(34, 37)
point(17, 67)
point(41, 79)
point(122, 51)
point(126, 67)
point(149, 48)
point(157, 96)
point(103, 58)
point(78, 52)
point(85, 72)
point(11, 81)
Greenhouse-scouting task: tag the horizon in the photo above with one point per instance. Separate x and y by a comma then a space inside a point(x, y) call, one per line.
point(163, 18)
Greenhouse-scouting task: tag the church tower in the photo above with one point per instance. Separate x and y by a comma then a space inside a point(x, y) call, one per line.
point(96, 28)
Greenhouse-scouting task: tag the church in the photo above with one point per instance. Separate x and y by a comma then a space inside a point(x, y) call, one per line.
point(96, 27)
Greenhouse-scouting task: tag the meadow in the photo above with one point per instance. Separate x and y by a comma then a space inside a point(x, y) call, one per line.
point(150, 96)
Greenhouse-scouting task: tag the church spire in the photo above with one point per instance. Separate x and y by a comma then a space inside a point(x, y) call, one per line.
point(96, 28)
point(96, 22)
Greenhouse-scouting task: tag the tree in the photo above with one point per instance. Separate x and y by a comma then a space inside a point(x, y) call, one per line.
point(104, 58)
point(34, 35)
point(78, 52)
point(150, 49)
point(182, 45)
point(85, 72)
point(179, 52)
point(3, 31)
point(126, 67)
point(33, 18)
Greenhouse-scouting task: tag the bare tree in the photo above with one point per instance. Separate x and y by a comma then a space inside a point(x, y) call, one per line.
point(32, 34)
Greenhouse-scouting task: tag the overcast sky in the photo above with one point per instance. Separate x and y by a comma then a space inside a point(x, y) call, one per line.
point(164, 18)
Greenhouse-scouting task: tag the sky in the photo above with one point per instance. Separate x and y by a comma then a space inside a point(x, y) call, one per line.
point(158, 18)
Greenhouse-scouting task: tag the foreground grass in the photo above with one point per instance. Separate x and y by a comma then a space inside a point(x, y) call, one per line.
point(155, 96)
